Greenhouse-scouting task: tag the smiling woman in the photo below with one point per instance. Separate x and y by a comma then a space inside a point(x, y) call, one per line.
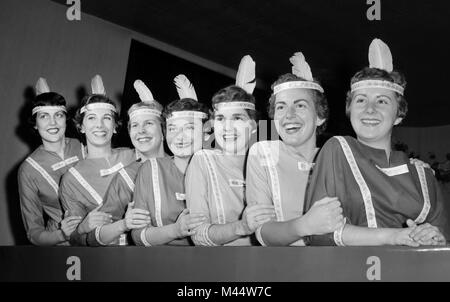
point(83, 187)
point(386, 198)
point(40, 173)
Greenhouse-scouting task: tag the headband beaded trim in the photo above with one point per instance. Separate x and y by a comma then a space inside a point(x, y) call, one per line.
point(234, 105)
point(377, 84)
point(297, 84)
point(45, 108)
point(187, 114)
point(94, 106)
point(142, 111)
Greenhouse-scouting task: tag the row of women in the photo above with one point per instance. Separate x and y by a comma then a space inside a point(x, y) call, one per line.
point(279, 192)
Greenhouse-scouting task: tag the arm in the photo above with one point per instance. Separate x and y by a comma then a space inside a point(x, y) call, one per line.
point(32, 214)
point(363, 236)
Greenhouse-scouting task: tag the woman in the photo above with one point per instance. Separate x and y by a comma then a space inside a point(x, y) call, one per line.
point(215, 178)
point(278, 171)
point(144, 128)
point(83, 187)
point(160, 181)
point(40, 174)
point(386, 199)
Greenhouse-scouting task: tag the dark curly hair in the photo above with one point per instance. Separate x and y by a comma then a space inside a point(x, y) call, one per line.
point(320, 100)
point(46, 99)
point(91, 99)
point(235, 93)
point(380, 74)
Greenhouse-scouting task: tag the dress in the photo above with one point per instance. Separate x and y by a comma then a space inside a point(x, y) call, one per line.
point(386, 193)
point(39, 177)
point(159, 190)
point(84, 186)
point(277, 176)
point(215, 187)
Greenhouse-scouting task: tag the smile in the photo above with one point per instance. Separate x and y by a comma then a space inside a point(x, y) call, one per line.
point(53, 130)
point(99, 133)
point(230, 137)
point(370, 122)
point(144, 139)
point(292, 127)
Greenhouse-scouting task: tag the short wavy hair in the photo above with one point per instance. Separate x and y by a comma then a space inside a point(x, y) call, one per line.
point(144, 105)
point(235, 93)
point(379, 74)
point(320, 100)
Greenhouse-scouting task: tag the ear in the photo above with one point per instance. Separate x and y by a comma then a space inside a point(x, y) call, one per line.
point(320, 121)
point(254, 125)
point(398, 121)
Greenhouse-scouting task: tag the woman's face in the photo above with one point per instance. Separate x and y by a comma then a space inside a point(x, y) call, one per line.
point(145, 133)
point(51, 125)
point(98, 126)
point(232, 130)
point(373, 114)
point(184, 136)
point(295, 116)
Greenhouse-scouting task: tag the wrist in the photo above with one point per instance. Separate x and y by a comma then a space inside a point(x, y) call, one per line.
point(123, 226)
point(241, 228)
point(302, 227)
point(174, 231)
point(61, 236)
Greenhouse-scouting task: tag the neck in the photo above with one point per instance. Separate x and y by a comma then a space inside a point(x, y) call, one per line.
point(384, 144)
point(181, 163)
point(57, 147)
point(305, 150)
point(98, 151)
point(159, 152)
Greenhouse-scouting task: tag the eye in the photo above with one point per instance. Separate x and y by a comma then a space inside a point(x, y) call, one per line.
point(219, 118)
point(279, 107)
point(133, 125)
point(149, 123)
point(60, 114)
point(359, 100)
point(300, 105)
point(91, 117)
point(42, 116)
point(171, 129)
point(383, 101)
point(238, 118)
point(189, 127)
point(108, 117)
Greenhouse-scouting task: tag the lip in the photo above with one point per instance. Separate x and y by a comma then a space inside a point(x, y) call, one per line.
point(229, 137)
point(292, 127)
point(371, 122)
point(182, 145)
point(53, 130)
point(99, 133)
point(145, 139)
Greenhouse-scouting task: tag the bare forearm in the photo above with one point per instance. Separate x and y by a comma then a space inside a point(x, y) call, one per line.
point(48, 238)
point(161, 235)
point(111, 232)
point(224, 233)
point(355, 235)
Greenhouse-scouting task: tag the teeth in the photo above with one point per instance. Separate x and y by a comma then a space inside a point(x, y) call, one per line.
point(145, 139)
point(372, 122)
point(229, 136)
point(292, 126)
point(53, 131)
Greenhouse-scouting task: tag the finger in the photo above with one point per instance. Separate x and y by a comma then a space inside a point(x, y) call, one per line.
point(140, 211)
point(410, 223)
point(421, 231)
point(261, 212)
point(194, 225)
point(333, 205)
point(73, 223)
point(72, 218)
point(264, 217)
point(195, 220)
point(137, 225)
point(97, 208)
point(197, 215)
point(139, 216)
point(324, 201)
point(261, 206)
point(100, 214)
point(66, 213)
point(426, 235)
point(262, 221)
point(131, 204)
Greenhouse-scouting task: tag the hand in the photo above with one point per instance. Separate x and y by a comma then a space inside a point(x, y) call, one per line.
point(186, 223)
point(402, 236)
point(135, 218)
point(425, 234)
point(325, 216)
point(94, 219)
point(256, 215)
point(69, 224)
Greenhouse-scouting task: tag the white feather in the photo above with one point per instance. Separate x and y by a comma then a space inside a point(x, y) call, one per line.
point(42, 86)
point(97, 85)
point(185, 88)
point(380, 56)
point(246, 76)
point(300, 67)
point(144, 92)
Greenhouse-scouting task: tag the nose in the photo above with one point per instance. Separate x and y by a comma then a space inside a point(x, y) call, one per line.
point(370, 107)
point(52, 120)
point(228, 125)
point(290, 112)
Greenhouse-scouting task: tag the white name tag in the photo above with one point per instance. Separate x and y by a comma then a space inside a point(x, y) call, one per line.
point(394, 170)
point(180, 196)
point(114, 169)
point(64, 163)
point(304, 166)
point(236, 182)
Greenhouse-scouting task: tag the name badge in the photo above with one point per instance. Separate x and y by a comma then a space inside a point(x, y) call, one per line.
point(64, 163)
point(236, 183)
point(180, 196)
point(114, 169)
point(304, 166)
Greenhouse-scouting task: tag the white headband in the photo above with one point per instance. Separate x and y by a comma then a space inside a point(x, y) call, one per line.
point(94, 106)
point(45, 108)
point(234, 105)
point(187, 114)
point(297, 84)
point(143, 111)
point(377, 84)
